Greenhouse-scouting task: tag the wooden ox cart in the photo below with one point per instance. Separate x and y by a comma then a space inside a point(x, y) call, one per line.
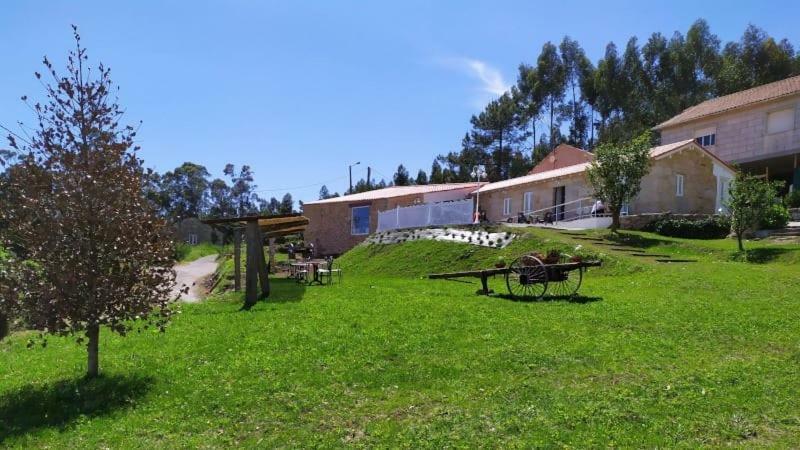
point(532, 277)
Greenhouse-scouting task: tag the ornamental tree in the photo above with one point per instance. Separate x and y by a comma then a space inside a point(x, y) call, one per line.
point(749, 197)
point(616, 173)
point(86, 247)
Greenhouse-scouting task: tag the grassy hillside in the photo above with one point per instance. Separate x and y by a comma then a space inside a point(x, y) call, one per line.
point(701, 354)
point(189, 253)
point(419, 258)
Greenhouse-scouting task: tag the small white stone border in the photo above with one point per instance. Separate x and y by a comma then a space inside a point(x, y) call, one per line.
point(474, 237)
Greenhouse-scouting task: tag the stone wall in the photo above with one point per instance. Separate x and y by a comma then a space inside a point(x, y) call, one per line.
point(576, 186)
point(657, 194)
point(659, 187)
point(741, 135)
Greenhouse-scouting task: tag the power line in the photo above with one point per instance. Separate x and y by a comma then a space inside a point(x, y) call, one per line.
point(300, 187)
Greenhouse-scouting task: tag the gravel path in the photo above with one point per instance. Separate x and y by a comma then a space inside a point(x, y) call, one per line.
point(190, 274)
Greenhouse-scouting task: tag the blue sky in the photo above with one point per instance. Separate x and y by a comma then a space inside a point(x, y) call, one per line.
point(298, 90)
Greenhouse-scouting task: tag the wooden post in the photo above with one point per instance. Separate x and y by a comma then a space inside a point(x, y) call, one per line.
point(272, 255)
point(263, 274)
point(251, 268)
point(237, 259)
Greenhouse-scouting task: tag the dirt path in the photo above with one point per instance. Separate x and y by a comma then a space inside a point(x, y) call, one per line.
point(190, 274)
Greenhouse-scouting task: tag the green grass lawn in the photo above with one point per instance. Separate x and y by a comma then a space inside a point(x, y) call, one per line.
point(677, 354)
point(189, 253)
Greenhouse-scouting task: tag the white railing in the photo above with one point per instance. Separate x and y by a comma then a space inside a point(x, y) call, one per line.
point(568, 211)
point(458, 212)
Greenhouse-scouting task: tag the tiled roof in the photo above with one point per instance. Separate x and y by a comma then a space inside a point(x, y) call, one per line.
point(541, 176)
point(396, 191)
point(655, 153)
point(562, 156)
point(771, 91)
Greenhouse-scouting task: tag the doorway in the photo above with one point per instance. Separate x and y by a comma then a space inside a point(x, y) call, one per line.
point(559, 198)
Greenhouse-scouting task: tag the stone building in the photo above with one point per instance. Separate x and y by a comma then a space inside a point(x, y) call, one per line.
point(192, 231)
point(758, 129)
point(684, 178)
point(340, 223)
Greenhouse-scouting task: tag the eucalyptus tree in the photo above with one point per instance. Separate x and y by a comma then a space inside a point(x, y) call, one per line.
point(576, 67)
point(550, 84)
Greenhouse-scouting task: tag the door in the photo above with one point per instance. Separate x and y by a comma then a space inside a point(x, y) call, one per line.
point(559, 198)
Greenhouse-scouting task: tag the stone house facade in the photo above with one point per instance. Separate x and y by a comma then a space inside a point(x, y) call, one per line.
point(684, 178)
point(339, 224)
point(757, 129)
point(192, 231)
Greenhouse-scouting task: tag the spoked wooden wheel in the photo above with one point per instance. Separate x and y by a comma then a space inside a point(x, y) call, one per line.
point(527, 278)
point(565, 283)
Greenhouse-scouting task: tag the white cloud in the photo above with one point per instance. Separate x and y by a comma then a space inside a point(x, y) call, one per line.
point(491, 79)
point(492, 84)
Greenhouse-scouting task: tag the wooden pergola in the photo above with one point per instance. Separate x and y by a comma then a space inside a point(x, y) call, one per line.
point(256, 228)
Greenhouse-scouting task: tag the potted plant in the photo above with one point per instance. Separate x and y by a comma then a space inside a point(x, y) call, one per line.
point(500, 263)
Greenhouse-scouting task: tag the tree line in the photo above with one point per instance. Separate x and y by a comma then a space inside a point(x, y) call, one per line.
point(563, 97)
point(188, 191)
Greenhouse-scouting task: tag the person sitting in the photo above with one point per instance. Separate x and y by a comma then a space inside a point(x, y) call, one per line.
point(598, 209)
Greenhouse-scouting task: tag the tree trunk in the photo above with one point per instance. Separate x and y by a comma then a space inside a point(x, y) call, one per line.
point(3, 326)
point(591, 125)
point(93, 334)
point(551, 124)
point(615, 225)
point(237, 260)
point(739, 239)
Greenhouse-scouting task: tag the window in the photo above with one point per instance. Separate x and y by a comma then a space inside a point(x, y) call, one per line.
point(780, 121)
point(706, 136)
point(527, 202)
point(359, 224)
point(506, 206)
point(679, 185)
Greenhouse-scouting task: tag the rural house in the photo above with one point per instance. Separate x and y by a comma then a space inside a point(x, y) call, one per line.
point(757, 129)
point(340, 223)
point(684, 178)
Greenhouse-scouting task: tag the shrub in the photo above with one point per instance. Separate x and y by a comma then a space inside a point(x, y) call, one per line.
point(712, 227)
point(792, 199)
point(776, 216)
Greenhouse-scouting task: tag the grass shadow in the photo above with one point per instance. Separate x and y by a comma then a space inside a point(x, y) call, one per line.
point(285, 290)
point(60, 403)
point(761, 255)
point(581, 299)
point(633, 240)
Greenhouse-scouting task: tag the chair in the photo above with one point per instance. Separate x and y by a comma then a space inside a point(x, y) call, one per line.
point(300, 272)
point(329, 271)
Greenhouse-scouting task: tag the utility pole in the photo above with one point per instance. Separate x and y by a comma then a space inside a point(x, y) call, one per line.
point(369, 177)
point(350, 169)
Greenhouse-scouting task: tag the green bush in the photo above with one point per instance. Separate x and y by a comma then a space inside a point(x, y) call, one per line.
point(711, 227)
point(792, 199)
point(776, 216)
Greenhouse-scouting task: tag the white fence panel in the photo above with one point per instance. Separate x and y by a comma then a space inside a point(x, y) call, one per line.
point(444, 213)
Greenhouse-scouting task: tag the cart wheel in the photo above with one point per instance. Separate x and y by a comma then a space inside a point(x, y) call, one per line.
point(527, 278)
point(566, 283)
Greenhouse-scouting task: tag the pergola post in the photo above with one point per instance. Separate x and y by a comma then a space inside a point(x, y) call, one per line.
point(237, 259)
point(251, 266)
point(272, 255)
point(263, 272)
point(256, 268)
